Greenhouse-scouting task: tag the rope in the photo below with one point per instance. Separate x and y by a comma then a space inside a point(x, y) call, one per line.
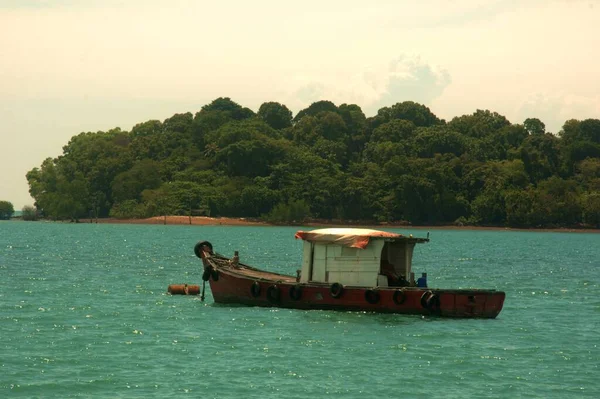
point(203, 286)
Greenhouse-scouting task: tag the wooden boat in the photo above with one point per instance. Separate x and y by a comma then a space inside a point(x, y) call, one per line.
point(345, 269)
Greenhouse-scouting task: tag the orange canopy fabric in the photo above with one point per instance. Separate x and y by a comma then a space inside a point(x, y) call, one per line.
point(354, 238)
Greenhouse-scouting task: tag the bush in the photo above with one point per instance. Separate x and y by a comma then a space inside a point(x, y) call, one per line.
point(293, 212)
point(29, 213)
point(129, 209)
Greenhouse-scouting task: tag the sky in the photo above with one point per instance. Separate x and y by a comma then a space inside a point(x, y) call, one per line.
point(69, 66)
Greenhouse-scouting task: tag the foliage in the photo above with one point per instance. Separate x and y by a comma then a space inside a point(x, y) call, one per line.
point(6, 210)
point(29, 213)
point(591, 209)
point(315, 109)
point(294, 212)
point(418, 114)
point(129, 185)
point(330, 162)
point(276, 115)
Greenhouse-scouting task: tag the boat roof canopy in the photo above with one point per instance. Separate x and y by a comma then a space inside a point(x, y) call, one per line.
point(354, 238)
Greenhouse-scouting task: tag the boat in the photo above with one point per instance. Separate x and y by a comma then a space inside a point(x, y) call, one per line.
point(345, 269)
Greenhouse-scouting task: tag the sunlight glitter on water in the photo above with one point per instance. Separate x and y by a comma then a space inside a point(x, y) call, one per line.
point(84, 311)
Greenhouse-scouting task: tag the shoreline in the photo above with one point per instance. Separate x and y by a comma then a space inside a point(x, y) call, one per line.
point(227, 221)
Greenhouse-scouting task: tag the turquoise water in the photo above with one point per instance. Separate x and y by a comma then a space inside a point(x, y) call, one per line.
point(83, 313)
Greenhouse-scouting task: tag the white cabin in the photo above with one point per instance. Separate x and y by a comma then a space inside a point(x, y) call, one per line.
point(355, 257)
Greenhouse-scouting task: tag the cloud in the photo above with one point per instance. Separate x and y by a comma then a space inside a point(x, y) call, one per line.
point(414, 80)
point(406, 78)
point(555, 109)
point(310, 93)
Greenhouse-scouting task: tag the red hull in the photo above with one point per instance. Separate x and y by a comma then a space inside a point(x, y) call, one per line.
point(236, 288)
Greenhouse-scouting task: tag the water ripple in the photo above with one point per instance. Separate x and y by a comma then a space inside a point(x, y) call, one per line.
point(84, 313)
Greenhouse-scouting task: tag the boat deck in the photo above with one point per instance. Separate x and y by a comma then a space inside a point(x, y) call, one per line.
point(244, 270)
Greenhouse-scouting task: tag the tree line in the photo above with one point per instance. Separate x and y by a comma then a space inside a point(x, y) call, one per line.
point(330, 162)
point(7, 210)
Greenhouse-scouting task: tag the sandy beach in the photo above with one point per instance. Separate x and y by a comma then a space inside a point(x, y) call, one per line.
point(182, 220)
point(226, 221)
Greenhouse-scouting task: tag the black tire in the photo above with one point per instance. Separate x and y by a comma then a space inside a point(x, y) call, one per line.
point(296, 292)
point(399, 297)
point(255, 289)
point(433, 303)
point(198, 248)
point(424, 299)
point(273, 294)
point(336, 290)
point(206, 274)
point(372, 296)
point(215, 275)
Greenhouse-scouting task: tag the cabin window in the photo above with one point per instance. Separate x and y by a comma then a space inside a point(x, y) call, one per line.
point(349, 252)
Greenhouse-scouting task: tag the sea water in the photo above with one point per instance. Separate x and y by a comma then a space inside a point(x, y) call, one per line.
point(84, 313)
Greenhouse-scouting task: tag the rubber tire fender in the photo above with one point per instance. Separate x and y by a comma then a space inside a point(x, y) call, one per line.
point(296, 292)
point(372, 296)
point(433, 303)
point(425, 298)
point(399, 297)
point(206, 274)
point(215, 275)
point(198, 248)
point(255, 289)
point(273, 294)
point(336, 290)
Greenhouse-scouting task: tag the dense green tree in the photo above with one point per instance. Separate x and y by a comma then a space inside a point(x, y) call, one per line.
point(225, 104)
point(294, 212)
point(588, 174)
point(249, 157)
point(396, 130)
point(480, 124)
point(569, 131)
point(591, 209)
point(257, 199)
point(586, 130)
point(534, 126)
point(99, 157)
point(580, 150)
point(129, 209)
point(418, 114)
point(383, 152)
point(541, 156)
point(519, 207)
point(494, 176)
point(315, 109)
point(303, 175)
point(439, 140)
point(236, 131)
point(558, 201)
point(276, 115)
point(60, 191)
point(329, 162)
point(6, 210)
point(512, 136)
point(149, 128)
point(590, 130)
point(356, 125)
point(129, 185)
point(362, 195)
point(489, 208)
point(179, 123)
point(206, 122)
